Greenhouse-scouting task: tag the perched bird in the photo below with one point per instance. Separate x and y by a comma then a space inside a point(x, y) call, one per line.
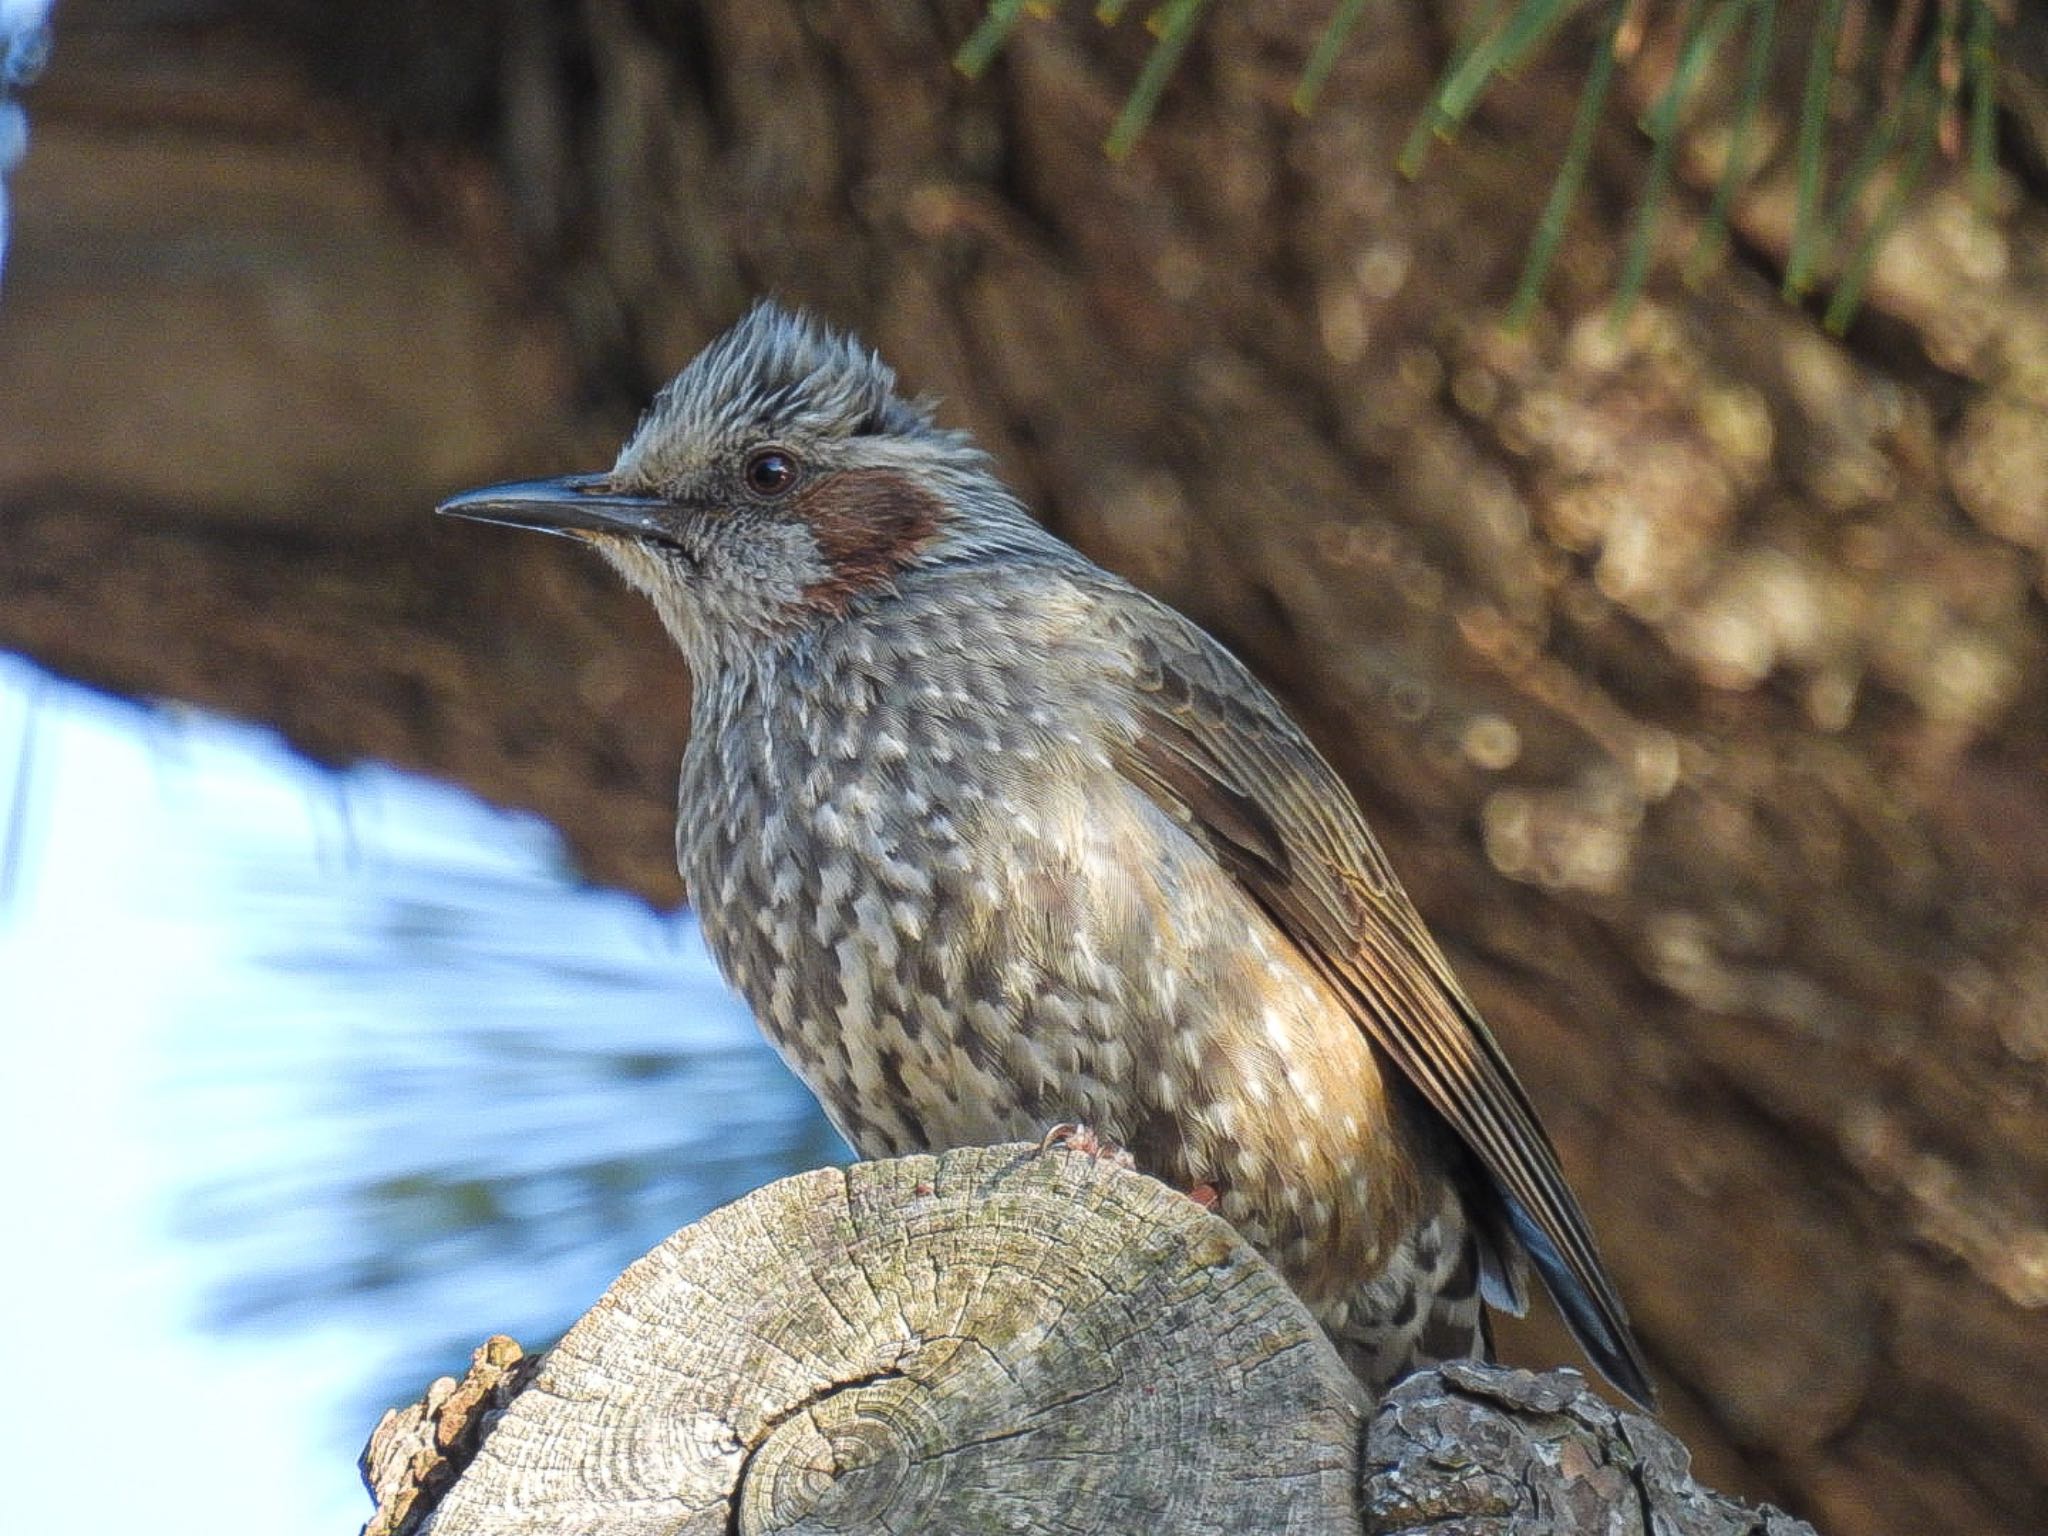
point(991, 840)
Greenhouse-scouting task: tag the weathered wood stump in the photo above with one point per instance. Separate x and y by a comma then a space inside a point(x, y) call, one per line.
point(997, 1340)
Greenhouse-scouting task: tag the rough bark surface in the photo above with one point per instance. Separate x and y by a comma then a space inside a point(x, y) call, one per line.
point(1694, 671)
point(416, 1452)
point(1491, 1452)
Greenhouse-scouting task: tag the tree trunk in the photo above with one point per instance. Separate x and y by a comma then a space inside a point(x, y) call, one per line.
point(1692, 669)
point(999, 1340)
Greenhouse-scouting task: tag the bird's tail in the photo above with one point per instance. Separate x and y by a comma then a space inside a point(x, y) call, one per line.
point(1608, 1343)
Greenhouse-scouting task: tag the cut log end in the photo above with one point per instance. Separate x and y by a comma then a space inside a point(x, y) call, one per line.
point(959, 1343)
point(997, 1339)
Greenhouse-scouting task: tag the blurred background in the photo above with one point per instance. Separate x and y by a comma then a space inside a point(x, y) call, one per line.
point(307, 1071)
point(1692, 661)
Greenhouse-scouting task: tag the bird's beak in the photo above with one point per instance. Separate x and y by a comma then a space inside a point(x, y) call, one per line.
point(573, 504)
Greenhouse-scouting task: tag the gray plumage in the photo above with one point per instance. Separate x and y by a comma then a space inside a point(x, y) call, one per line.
point(990, 840)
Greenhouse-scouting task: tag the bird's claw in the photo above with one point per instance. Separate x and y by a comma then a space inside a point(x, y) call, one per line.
point(1080, 1138)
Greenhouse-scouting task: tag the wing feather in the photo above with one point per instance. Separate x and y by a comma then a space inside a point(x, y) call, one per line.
point(1214, 750)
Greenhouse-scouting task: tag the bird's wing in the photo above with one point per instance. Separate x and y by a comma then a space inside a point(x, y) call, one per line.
point(1214, 750)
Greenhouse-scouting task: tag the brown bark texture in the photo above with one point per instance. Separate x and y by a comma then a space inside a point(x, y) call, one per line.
point(1694, 669)
point(1001, 1339)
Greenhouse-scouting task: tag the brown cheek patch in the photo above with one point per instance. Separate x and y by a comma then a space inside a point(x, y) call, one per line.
point(869, 524)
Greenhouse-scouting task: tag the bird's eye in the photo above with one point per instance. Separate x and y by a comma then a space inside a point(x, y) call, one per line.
point(770, 471)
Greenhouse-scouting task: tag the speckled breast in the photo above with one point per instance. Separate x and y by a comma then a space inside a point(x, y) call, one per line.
point(960, 924)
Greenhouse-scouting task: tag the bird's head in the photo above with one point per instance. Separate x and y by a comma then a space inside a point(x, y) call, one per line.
point(777, 480)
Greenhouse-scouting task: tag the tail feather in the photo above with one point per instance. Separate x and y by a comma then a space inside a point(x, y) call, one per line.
point(1602, 1333)
point(1503, 1265)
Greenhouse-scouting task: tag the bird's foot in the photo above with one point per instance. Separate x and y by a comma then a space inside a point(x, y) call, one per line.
point(1206, 1196)
point(1081, 1138)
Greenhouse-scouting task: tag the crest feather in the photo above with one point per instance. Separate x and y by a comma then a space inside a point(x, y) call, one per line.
point(779, 371)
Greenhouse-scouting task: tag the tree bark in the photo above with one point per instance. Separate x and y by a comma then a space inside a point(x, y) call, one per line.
point(1000, 1340)
point(1692, 669)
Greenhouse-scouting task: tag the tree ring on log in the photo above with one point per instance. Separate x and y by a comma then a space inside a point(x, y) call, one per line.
point(995, 1339)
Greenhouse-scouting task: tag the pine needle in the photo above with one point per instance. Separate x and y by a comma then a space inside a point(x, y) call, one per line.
point(1565, 191)
point(1876, 152)
point(1813, 127)
point(1526, 29)
point(986, 40)
point(1756, 76)
point(1950, 102)
point(1175, 24)
point(1983, 70)
point(1696, 51)
point(1432, 124)
point(1324, 59)
point(1848, 294)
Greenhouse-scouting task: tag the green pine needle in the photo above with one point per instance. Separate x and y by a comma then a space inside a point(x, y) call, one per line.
point(1875, 154)
point(1175, 24)
point(1697, 51)
point(1324, 59)
point(1983, 71)
point(1532, 22)
point(1813, 128)
point(986, 41)
point(1565, 191)
point(1433, 125)
point(1923, 100)
point(1954, 79)
point(1756, 74)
